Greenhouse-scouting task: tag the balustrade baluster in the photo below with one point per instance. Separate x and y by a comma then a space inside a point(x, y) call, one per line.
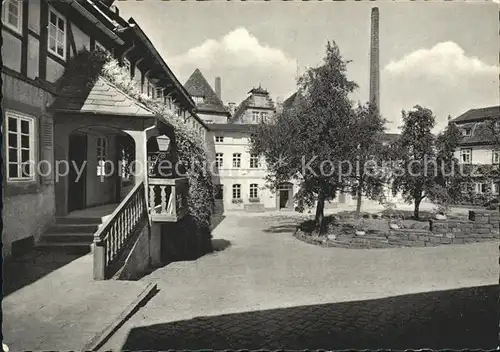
point(152, 198)
point(121, 229)
point(163, 200)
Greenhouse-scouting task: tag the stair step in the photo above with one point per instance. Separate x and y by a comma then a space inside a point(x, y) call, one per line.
point(73, 228)
point(67, 247)
point(78, 221)
point(68, 237)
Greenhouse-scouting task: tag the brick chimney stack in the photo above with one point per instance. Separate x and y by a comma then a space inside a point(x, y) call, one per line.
point(218, 87)
point(374, 59)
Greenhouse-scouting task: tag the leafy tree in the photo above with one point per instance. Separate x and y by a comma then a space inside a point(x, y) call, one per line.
point(416, 152)
point(448, 180)
point(368, 154)
point(309, 141)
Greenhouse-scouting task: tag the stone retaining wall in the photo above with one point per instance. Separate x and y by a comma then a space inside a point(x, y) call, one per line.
point(482, 225)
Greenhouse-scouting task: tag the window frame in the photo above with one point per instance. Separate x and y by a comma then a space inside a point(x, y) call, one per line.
point(254, 161)
point(19, 148)
point(479, 188)
point(254, 187)
point(101, 153)
point(236, 160)
point(467, 132)
point(198, 99)
point(255, 116)
point(462, 152)
point(54, 52)
point(263, 116)
point(219, 139)
point(236, 190)
point(5, 16)
point(495, 189)
point(219, 160)
point(495, 157)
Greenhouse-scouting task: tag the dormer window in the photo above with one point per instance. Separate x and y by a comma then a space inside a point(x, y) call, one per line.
point(198, 99)
point(467, 132)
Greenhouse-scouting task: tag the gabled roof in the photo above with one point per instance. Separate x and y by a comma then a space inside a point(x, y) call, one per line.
point(241, 108)
point(289, 101)
point(258, 90)
point(197, 86)
point(478, 114)
point(481, 133)
point(101, 97)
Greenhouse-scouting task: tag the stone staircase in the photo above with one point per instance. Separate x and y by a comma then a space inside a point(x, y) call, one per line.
point(70, 234)
point(75, 233)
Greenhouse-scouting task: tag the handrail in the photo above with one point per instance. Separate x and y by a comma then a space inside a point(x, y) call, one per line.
point(119, 208)
point(115, 234)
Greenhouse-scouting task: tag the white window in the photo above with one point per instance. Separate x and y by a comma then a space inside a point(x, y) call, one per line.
point(198, 100)
point(236, 160)
point(263, 117)
point(219, 159)
point(254, 191)
point(102, 152)
point(219, 139)
point(494, 188)
point(168, 101)
point(255, 116)
point(254, 161)
point(467, 132)
point(481, 188)
point(159, 94)
point(12, 14)
point(236, 191)
point(496, 157)
point(57, 34)
point(21, 147)
point(466, 156)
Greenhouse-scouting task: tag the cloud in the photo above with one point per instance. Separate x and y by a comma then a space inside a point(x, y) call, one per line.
point(240, 58)
point(442, 78)
point(444, 59)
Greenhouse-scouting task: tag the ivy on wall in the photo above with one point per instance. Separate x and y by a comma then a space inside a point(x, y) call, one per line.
point(87, 66)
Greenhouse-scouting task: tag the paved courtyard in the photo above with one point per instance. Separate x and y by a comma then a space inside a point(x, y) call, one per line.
point(266, 289)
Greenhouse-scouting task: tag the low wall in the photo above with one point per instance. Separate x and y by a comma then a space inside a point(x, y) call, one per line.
point(482, 225)
point(144, 254)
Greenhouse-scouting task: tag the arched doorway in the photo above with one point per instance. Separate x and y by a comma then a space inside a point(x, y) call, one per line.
point(285, 195)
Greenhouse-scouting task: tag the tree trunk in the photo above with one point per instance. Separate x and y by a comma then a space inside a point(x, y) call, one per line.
point(416, 210)
point(320, 213)
point(359, 196)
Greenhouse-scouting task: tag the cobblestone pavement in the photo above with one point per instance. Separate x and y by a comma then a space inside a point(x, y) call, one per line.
point(266, 289)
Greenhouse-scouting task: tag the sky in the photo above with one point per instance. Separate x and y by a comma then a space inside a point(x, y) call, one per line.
point(440, 55)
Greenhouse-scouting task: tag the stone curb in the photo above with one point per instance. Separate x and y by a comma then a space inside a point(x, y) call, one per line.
point(101, 338)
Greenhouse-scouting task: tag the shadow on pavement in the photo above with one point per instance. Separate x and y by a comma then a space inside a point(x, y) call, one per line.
point(219, 244)
point(26, 269)
point(285, 228)
point(464, 318)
